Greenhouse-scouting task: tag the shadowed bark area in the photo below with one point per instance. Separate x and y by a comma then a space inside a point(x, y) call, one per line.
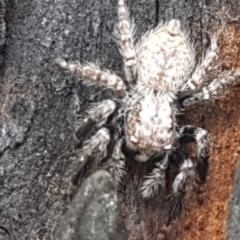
point(39, 105)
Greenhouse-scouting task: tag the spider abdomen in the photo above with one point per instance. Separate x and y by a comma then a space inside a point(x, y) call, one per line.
point(164, 59)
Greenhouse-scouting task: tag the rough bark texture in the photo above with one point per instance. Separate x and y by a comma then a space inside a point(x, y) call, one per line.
point(94, 212)
point(39, 104)
point(233, 228)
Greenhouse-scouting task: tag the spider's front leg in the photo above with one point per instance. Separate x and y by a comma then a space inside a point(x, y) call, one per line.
point(94, 148)
point(189, 134)
point(124, 32)
point(185, 175)
point(116, 164)
point(156, 179)
point(96, 115)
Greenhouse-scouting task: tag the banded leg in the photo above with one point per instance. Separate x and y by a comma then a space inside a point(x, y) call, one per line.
point(189, 134)
point(95, 147)
point(155, 179)
point(215, 89)
point(186, 173)
point(95, 75)
point(116, 165)
point(97, 114)
point(124, 32)
point(199, 76)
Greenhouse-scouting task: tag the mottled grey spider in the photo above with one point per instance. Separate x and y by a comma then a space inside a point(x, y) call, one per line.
point(160, 73)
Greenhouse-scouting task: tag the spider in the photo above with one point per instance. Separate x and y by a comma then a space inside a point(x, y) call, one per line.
point(161, 78)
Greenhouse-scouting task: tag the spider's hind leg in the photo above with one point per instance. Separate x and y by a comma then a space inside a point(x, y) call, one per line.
point(199, 76)
point(124, 32)
point(94, 75)
point(189, 134)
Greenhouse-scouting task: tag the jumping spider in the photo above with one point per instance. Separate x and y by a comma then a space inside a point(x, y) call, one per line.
point(160, 75)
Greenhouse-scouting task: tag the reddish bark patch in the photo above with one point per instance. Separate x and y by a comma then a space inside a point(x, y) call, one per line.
point(222, 120)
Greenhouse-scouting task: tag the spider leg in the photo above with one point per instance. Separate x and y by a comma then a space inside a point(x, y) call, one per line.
point(116, 165)
point(96, 115)
point(94, 75)
point(186, 173)
point(94, 148)
point(155, 179)
point(215, 89)
point(199, 76)
point(189, 134)
point(125, 31)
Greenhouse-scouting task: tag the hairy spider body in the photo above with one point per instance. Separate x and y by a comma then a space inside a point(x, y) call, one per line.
point(160, 72)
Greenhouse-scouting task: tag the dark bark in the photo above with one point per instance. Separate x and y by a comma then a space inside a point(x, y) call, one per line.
point(39, 105)
point(94, 212)
point(233, 226)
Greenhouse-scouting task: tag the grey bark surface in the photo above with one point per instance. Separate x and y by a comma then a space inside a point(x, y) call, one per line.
point(97, 197)
point(39, 105)
point(233, 226)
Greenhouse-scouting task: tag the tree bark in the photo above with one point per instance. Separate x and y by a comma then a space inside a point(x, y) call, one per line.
point(233, 228)
point(40, 104)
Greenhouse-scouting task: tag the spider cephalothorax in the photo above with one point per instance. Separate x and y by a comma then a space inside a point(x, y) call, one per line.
point(160, 72)
point(150, 126)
